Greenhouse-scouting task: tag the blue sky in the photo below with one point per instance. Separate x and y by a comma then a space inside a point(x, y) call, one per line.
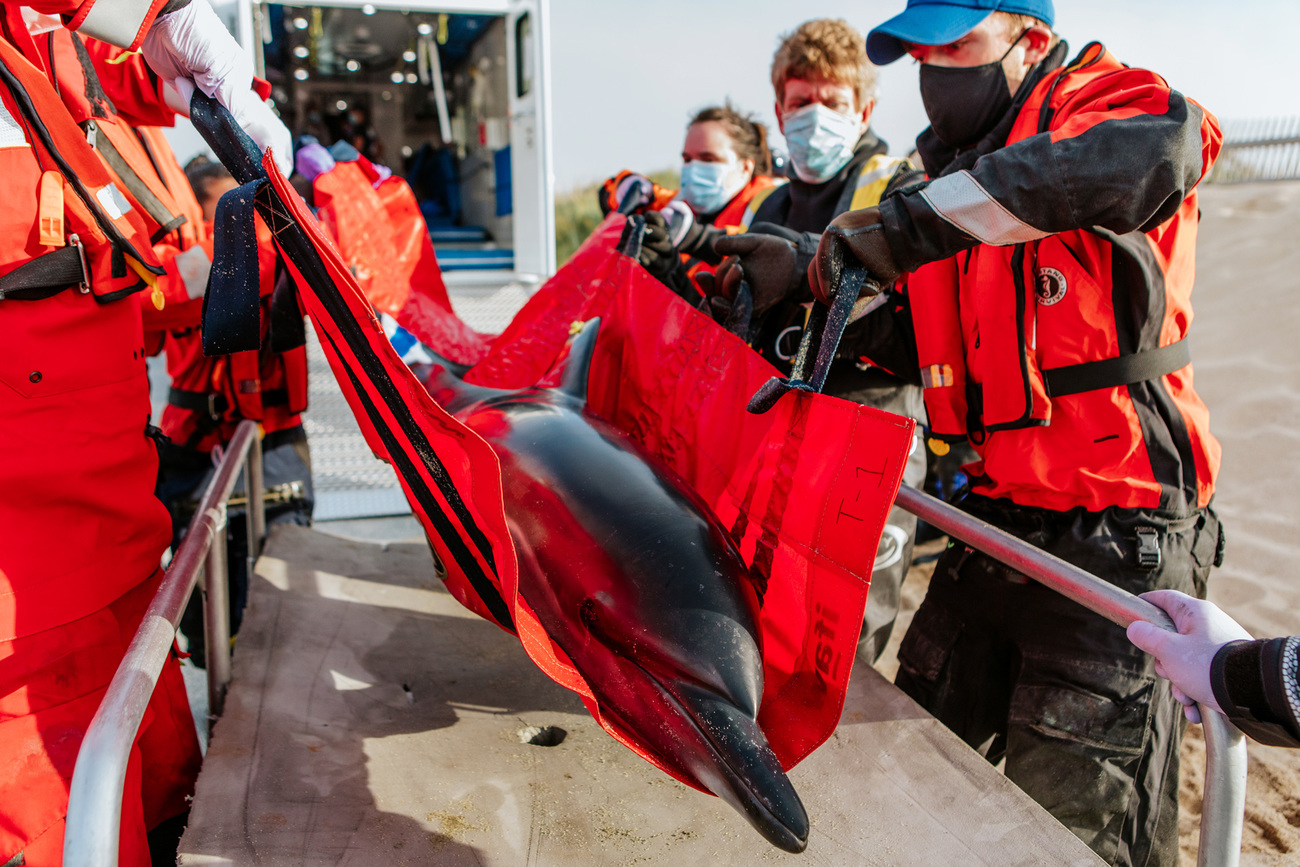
point(628, 73)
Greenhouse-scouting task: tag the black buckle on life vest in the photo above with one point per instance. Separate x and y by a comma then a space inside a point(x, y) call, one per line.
point(74, 241)
point(212, 404)
point(1148, 550)
point(48, 275)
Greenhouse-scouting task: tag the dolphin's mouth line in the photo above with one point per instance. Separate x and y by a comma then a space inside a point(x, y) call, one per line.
point(718, 755)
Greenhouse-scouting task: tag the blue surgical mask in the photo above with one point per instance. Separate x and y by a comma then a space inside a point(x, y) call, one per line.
point(707, 187)
point(821, 141)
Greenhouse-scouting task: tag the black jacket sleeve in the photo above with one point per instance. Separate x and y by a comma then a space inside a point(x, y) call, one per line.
point(1255, 682)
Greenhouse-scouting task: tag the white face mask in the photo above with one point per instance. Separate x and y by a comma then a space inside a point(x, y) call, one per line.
point(708, 187)
point(821, 141)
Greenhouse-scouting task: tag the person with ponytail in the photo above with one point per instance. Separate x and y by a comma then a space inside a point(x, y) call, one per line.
point(726, 173)
point(726, 167)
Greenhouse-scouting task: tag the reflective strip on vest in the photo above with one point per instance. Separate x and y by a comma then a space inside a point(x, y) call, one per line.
point(11, 134)
point(755, 203)
point(875, 176)
point(116, 21)
point(960, 200)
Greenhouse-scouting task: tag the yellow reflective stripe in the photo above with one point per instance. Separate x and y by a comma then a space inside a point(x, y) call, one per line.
point(873, 179)
point(754, 204)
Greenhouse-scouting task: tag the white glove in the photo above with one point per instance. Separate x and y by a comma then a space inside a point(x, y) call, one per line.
point(1184, 657)
point(194, 266)
point(193, 45)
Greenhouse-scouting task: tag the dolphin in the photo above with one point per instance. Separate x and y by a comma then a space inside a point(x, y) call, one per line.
point(638, 583)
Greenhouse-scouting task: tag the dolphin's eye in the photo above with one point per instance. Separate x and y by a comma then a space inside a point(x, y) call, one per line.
point(589, 614)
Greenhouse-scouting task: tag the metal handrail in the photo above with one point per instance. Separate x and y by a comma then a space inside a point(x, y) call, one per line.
point(1224, 803)
point(95, 801)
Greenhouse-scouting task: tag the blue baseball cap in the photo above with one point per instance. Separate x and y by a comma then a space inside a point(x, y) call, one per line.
point(938, 22)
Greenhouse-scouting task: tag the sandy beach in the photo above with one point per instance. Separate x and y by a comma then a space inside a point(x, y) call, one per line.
point(1246, 351)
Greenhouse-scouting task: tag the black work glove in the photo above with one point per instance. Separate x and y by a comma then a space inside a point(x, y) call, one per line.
point(660, 257)
point(657, 251)
point(863, 237)
point(769, 263)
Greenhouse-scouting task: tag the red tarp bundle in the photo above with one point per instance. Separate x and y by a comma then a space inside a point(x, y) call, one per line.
point(383, 238)
point(804, 488)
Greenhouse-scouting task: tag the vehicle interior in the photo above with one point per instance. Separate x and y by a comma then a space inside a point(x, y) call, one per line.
point(423, 93)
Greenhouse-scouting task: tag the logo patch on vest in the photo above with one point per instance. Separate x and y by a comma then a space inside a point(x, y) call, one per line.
point(1051, 286)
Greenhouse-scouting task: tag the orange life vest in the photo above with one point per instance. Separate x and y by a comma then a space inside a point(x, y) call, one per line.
point(735, 217)
point(1024, 349)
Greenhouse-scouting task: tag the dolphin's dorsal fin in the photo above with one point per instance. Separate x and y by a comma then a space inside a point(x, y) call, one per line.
point(576, 371)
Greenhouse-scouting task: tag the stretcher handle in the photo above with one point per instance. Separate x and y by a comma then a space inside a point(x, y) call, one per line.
point(822, 333)
point(233, 147)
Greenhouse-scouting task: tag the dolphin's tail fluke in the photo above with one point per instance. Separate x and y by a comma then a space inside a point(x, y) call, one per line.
point(747, 774)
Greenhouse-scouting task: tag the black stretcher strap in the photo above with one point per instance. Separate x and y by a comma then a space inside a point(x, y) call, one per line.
point(1113, 372)
point(232, 306)
point(43, 276)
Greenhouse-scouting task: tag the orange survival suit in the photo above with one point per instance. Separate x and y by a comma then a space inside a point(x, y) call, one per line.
point(1072, 379)
point(208, 396)
point(1052, 268)
point(81, 533)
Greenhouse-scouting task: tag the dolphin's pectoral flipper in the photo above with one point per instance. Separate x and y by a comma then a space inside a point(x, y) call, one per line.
point(455, 368)
point(749, 776)
point(444, 384)
point(578, 366)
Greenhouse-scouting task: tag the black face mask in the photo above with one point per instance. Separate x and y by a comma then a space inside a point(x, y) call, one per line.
point(965, 102)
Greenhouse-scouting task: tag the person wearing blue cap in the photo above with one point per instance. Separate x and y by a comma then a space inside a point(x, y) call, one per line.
point(1048, 260)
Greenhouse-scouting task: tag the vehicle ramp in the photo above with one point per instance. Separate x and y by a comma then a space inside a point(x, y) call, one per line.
point(372, 720)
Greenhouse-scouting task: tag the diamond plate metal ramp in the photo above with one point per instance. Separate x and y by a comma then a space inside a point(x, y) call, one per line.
point(350, 482)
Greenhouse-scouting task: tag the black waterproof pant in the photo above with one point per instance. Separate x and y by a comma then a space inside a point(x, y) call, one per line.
point(1022, 673)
